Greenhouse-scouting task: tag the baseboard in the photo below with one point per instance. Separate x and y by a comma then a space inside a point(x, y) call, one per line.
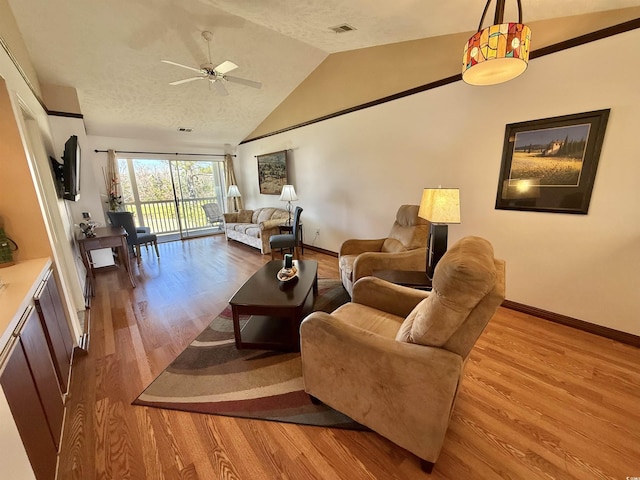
point(320, 250)
point(83, 342)
point(610, 333)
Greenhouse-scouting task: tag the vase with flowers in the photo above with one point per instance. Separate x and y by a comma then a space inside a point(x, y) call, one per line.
point(112, 186)
point(115, 202)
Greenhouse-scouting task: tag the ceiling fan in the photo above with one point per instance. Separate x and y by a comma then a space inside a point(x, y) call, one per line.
point(215, 75)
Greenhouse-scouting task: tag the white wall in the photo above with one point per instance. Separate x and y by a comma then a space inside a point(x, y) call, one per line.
point(352, 172)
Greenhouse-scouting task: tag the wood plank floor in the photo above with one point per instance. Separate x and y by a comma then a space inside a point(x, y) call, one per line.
point(539, 401)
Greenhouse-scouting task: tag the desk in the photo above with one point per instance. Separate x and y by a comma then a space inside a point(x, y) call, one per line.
point(105, 237)
point(409, 278)
point(289, 229)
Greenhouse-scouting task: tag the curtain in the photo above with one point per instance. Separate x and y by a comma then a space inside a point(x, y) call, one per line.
point(112, 182)
point(233, 203)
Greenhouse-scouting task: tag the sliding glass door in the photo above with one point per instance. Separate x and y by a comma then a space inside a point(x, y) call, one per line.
point(169, 196)
point(197, 183)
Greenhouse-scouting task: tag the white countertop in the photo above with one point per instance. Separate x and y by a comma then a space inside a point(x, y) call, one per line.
point(19, 284)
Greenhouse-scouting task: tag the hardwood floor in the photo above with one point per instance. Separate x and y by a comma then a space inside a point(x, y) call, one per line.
point(539, 401)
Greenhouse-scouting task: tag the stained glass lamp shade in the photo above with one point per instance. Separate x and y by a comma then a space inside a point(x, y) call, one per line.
point(497, 53)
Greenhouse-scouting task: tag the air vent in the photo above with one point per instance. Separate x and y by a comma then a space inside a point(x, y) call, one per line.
point(185, 129)
point(344, 28)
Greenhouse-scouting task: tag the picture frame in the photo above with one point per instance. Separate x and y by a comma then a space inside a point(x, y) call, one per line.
point(549, 165)
point(272, 172)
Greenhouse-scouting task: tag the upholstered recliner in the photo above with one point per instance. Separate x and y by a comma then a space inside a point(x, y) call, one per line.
point(405, 248)
point(394, 357)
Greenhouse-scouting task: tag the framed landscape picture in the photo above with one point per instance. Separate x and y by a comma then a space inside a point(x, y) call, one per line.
point(550, 165)
point(272, 172)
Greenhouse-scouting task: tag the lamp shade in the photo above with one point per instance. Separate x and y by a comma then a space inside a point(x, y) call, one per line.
point(440, 205)
point(288, 194)
point(497, 53)
point(233, 191)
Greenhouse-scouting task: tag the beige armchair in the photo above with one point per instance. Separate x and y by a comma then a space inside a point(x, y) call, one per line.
point(394, 357)
point(405, 248)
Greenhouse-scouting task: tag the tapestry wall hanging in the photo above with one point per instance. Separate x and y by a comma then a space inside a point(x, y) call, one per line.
point(549, 165)
point(272, 172)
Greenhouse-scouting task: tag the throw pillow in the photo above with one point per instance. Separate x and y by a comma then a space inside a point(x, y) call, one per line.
point(244, 216)
point(265, 214)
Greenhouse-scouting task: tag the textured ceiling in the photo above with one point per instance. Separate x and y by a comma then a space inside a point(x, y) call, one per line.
point(110, 51)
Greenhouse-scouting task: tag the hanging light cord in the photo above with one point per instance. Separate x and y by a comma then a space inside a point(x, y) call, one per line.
point(499, 15)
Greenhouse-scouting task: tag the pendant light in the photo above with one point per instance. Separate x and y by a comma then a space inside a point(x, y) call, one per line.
point(497, 53)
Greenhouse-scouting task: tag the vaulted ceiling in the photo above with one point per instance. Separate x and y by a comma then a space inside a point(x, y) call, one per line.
point(111, 52)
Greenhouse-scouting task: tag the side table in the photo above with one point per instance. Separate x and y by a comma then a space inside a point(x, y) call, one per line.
point(289, 229)
point(408, 278)
point(105, 237)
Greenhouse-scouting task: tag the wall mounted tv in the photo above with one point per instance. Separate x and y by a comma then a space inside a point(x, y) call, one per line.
point(71, 169)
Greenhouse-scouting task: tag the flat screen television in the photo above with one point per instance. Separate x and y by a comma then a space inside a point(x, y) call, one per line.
point(56, 169)
point(71, 169)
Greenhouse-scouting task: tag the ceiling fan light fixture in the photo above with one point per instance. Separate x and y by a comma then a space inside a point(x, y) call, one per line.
point(215, 74)
point(497, 53)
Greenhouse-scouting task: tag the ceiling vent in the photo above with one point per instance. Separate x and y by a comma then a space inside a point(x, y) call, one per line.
point(185, 129)
point(343, 28)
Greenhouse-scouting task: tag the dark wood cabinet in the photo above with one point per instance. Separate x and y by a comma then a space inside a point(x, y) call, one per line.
point(30, 385)
point(56, 329)
point(34, 344)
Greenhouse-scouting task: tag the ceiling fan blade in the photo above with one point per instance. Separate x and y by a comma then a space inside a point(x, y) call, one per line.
point(178, 82)
point(220, 88)
point(243, 81)
point(183, 66)
point(225, 67)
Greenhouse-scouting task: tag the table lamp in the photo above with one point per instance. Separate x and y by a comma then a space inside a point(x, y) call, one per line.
point(288, 195)
point(440, 206)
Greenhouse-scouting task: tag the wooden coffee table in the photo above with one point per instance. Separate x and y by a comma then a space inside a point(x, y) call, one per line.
point(276, 308)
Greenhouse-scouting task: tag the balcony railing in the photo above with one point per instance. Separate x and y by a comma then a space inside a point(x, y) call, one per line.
point(162, 218)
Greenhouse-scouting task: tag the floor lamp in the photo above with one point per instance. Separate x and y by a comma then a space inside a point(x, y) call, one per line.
point(288, 195)
point(440, 206)
point(234, 193)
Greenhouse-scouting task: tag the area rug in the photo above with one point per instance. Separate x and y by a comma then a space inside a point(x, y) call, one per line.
point(212, 376)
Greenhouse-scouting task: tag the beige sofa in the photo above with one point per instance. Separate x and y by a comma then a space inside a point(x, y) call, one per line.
point(254, 227)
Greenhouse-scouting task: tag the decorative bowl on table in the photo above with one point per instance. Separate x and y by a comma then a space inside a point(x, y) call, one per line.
point(287, 274)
